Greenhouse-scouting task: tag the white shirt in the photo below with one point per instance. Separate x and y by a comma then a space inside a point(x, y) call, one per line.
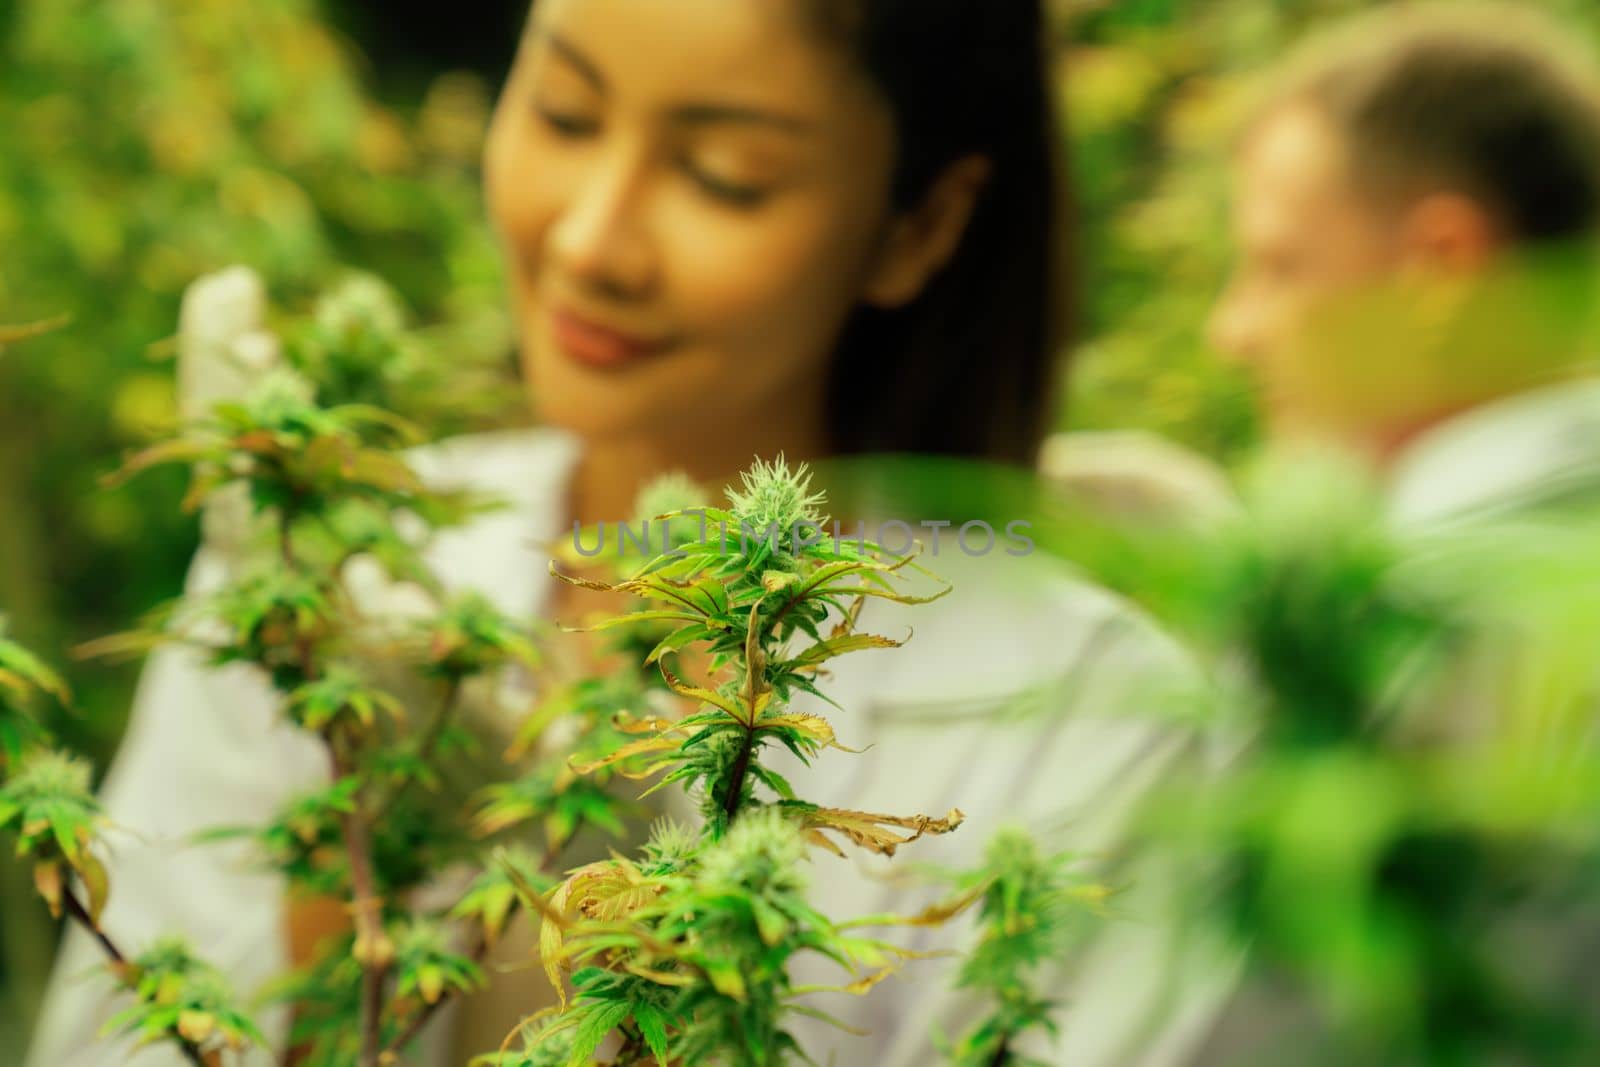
point(1520, 451)
point(207, 747)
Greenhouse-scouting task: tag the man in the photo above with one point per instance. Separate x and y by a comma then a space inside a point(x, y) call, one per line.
point(1416, 210)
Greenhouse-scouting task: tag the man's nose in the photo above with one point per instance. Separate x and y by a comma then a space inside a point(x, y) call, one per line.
point(600, 240)
point(1233, 328)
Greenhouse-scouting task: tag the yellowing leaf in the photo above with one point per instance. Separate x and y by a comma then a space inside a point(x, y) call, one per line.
point(672, 978)
point(936, 914)
point(196, 1026)
point(705, 696)
point(93, 874)
point(10, 334)
point(627, 724)
point(814, 727)
point(1093, 896)
point(857, 988)
point(725, 977)
point(119, 646)
point(47, 880)
point(169, 989)
point(628, 751)
point(821, 840)
point(551, 938)
point(178, 450)
point(598, 882)
point(878, 832)
point(772, 581)
point(431, 982)
point(945, 910)
point(838, 646)
point(582, 583)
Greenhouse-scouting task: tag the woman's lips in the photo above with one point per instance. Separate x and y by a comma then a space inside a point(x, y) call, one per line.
point(595, 345)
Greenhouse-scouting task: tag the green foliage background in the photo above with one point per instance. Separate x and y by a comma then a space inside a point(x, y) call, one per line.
point(145, 142)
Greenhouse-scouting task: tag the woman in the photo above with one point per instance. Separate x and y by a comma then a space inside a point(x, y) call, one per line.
point(733, 228)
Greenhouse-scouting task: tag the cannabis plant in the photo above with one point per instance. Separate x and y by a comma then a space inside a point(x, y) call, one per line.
point(47, 805)
point(682, 953)
point(1029, 909)
point(333, 483)
point(313, 484)
point(679, 953)
point(1412, 707)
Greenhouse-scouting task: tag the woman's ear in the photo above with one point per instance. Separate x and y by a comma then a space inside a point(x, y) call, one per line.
point(921, 241)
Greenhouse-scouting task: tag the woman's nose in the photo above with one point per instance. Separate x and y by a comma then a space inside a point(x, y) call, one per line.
point(599, 239)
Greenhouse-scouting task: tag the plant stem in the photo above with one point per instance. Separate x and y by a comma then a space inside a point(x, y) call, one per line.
point(755, 685)
point(741, 767)
point(285, 540)
point(633, 1049)
point(429, 742)
point(366, 906)
point(80, 914)
point(393, 1048)
point(1002, 1055)
point(436, 728)
point(480, 948)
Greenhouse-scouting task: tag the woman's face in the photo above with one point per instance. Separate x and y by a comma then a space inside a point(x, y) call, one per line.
point(690, 195)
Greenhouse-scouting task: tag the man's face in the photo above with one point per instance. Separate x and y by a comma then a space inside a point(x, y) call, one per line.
point(1309, 247)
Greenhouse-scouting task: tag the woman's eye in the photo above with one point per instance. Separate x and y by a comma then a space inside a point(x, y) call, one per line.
point(568, 124)
point(735, 194)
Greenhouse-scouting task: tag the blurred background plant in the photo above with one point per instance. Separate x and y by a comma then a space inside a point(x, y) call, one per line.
point(1409, 847)
point(144, 143)
point(1402, 849)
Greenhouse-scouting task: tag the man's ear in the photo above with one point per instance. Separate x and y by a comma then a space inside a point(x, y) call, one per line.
point(1450, 233)
point(921, 241)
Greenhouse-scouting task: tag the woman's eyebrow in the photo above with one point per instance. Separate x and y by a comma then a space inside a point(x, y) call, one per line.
point(709, 114)
point(699, 114)
point(571, 53)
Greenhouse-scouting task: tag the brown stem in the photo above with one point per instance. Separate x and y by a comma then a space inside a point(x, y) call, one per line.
point(80, 914)
point(781, 613)
point(371, 1013)
point(76, 909)
point(480, 948)
point(442, 719)
point(366, 906)
point(424, 750)
point(429, 742)
point(366, 910)
point(1002, 1055)
point(393, 1048)
point(633, 1049)
point(741, 766)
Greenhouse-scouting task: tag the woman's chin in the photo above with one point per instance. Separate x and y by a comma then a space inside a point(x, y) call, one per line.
point(593, 417)
point(634, 402)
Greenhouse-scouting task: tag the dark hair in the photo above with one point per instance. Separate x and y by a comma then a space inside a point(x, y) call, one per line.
point(971, 367)
point(1482, 96)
